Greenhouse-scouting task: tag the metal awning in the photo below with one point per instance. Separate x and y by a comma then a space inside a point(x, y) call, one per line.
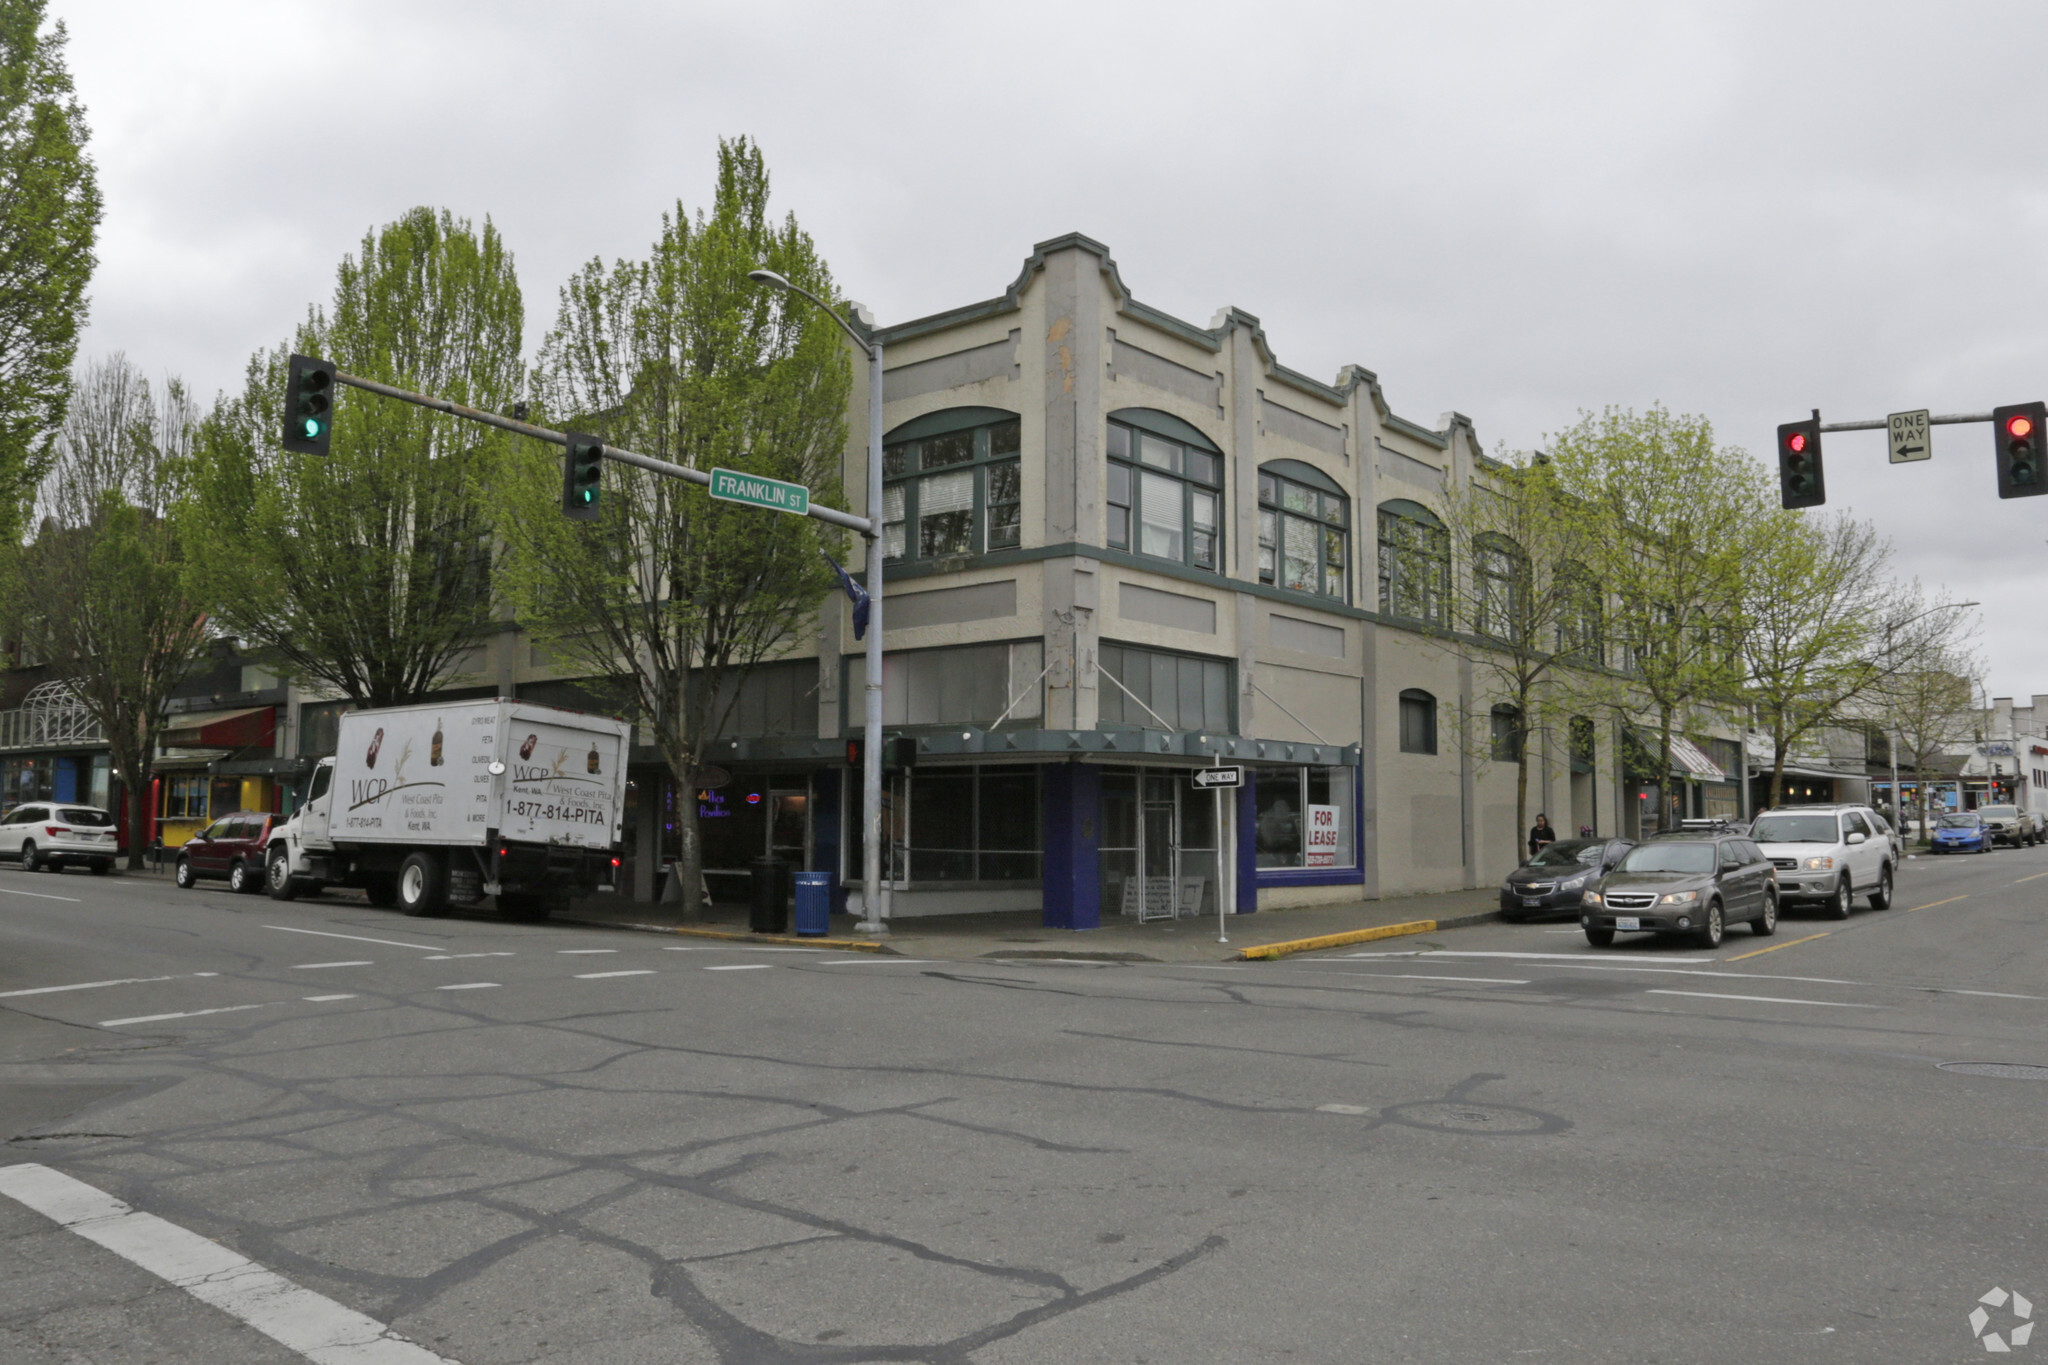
point(1688, 755)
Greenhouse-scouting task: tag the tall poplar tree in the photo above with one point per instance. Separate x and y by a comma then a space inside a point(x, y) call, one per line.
point(672, 596)
point(369, 570)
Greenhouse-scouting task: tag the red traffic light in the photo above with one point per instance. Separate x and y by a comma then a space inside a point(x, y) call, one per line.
point(2019, 426)
point(1796, 442)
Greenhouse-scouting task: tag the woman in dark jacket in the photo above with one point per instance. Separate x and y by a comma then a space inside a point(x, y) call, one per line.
point(1541, 835)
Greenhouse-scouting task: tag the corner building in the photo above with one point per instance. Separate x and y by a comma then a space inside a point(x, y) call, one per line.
point(1120, 547)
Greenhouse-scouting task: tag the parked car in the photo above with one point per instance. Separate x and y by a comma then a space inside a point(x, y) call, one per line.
point(48, 836)
point(1694, 883)
point(230, 847)
point(1962, 831)
point(1552, 881)
point(2007, 825)
point(1826, 854)
point(1891, 832)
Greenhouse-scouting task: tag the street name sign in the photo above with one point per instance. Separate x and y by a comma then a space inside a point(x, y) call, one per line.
point(1207, 779)
point(756, 490)
point(1912, 437)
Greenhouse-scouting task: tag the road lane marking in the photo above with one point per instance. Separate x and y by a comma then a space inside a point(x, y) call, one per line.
point(2036, 877)
point(469, 986)
point(1342, 1109)
point(1759, 952)
point(1769, 999)
point(1931, 904)
point(315, 966)
point(1557, 957)
point(387, 942)
point(584, 952)
point(96, 985)
point(739, 967)
point(41, 896)
point(1416, 976)
point(311, 1324)
point(453, 957)
point(877, 961)
point(599, 976)
point(323, 999)
point(187, 1014)
point(1995, 995)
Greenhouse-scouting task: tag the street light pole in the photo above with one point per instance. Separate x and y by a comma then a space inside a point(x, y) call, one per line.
point(871, 749)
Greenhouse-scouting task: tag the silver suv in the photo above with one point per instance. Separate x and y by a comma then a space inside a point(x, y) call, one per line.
point(1825, 855)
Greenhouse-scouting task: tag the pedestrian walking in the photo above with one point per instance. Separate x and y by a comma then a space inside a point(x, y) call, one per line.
point(1541, 835)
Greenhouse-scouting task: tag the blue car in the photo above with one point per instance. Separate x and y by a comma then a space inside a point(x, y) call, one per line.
point(1963, 832)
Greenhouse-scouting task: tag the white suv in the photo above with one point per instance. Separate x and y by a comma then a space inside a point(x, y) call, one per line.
point(1827, 854)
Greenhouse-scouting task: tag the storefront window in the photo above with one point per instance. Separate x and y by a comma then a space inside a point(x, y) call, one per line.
point(974, 824)
point(185, 796)
point(1304, 817)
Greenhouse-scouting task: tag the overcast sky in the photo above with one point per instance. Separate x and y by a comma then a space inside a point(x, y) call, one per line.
point(1515, 211)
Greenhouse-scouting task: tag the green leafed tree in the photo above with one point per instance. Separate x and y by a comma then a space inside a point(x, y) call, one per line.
point(1668, 522)
point(368, 570)
point(49, 221)
point(673, 598)
point(104, 602)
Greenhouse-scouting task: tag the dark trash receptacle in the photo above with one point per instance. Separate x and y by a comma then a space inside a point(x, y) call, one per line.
point(770, 911)
point(813, 903)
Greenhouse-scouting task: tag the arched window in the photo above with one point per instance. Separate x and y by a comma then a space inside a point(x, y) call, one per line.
point(1418, 722)
point(1583, 744)
point(1580, 620)
point(1500, 579)
point(1304, 530)
point(1165, 488)
point(1415, 563)
point(951, 484)
point(1507, 735)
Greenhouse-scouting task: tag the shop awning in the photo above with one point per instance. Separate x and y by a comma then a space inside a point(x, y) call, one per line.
point(1688, 756)
point(223, 729)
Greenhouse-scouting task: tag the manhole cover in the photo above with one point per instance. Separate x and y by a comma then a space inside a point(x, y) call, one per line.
point(1463, 1116)
point(2010, 1071)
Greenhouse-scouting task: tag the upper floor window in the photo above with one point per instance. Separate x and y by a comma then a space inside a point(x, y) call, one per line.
point(1580, 627)
point(1415, 563)
point(1500, 573)
point(1507, 734)
point(1418, 722)
point(952, 485)
point(1165, 489)
point(1304, 530)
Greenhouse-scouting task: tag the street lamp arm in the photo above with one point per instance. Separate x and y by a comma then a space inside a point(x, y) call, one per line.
point(770, 277)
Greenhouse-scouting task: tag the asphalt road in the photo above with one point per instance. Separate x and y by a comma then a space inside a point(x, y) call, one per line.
point(510, 1142)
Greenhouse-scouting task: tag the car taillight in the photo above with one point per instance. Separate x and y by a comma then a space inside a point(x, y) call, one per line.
point(54, 830)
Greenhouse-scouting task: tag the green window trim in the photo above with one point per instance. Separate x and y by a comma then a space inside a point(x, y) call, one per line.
point(1165, 495)
point(1304, 531)
point(952, 485)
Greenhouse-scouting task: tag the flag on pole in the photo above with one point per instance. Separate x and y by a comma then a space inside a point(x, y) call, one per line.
point(855, 593)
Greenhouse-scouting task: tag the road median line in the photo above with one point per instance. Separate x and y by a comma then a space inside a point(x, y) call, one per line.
point(1931, 904)
point(1759, 952)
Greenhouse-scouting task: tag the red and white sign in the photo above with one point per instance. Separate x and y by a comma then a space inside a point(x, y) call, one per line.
point(1322, 836)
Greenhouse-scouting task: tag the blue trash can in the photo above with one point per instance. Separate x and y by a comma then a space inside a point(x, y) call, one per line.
point(813, 903)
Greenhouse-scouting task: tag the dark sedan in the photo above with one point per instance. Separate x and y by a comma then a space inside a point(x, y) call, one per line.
point(1552, 882)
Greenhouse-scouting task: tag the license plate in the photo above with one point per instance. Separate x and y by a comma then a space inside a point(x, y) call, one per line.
point(1627, 922)
point(1532, 900)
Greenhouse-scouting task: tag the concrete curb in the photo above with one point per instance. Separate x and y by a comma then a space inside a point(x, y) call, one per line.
point(843, 945)
point(1288, 947)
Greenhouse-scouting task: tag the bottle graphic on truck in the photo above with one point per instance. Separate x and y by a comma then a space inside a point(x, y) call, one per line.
point(593, 763)
point(526, 749)
point(376, 743)
point(434, 757)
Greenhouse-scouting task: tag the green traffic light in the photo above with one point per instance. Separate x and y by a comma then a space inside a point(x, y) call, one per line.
point(312, 426)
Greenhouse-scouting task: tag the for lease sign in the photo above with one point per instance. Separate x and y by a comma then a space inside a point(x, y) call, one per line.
point(1322, 836)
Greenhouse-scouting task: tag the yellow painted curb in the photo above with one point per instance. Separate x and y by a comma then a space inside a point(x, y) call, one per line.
point(844, 945)
point(1309, 945)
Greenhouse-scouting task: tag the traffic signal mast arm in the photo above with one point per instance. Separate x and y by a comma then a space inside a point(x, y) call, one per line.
point(831, 515)
point(1944, 420)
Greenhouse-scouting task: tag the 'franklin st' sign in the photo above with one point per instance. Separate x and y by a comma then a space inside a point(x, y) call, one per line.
point(729, 485)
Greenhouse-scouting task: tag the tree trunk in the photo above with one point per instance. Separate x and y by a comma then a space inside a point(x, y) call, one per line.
point(1522, 797)
point(135, 776)
point(1778, 773)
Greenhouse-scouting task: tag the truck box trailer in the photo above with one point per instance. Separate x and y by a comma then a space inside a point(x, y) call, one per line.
point(444, 803)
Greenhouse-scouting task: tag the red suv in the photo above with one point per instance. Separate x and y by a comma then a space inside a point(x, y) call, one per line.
point(230, 847)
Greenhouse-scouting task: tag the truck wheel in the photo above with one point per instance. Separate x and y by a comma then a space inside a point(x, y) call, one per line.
point(278, 878)
point(422, 885)
point(517, 906)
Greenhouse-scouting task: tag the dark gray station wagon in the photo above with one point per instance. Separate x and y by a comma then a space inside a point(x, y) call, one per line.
point(1689, 883)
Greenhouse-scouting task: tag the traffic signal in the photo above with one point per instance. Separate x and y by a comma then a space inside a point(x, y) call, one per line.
point(899, 753)
point(582, 477)
point(2019, 430)
point(1801, 481)
point(309, 405)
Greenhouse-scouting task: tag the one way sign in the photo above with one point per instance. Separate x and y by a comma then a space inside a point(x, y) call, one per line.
point(1208, 778)
point(1911, 438)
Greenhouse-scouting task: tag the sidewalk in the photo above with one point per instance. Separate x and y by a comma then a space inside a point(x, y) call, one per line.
point(1019, 934)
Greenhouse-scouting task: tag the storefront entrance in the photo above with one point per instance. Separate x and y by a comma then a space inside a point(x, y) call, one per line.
point(1158, 845)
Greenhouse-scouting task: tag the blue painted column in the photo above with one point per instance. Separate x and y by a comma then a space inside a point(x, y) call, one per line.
point(827, 823)
point(1248, 844)
point(1071, 818)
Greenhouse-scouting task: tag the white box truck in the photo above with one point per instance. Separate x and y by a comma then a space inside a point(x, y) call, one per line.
point(445, 803)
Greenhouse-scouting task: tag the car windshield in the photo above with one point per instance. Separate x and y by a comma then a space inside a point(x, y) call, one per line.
point(1999, 812)
point(1967, 820)
point(1796, 829)
point(85, 815)
point(1671, 857)
point(1573, 854)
